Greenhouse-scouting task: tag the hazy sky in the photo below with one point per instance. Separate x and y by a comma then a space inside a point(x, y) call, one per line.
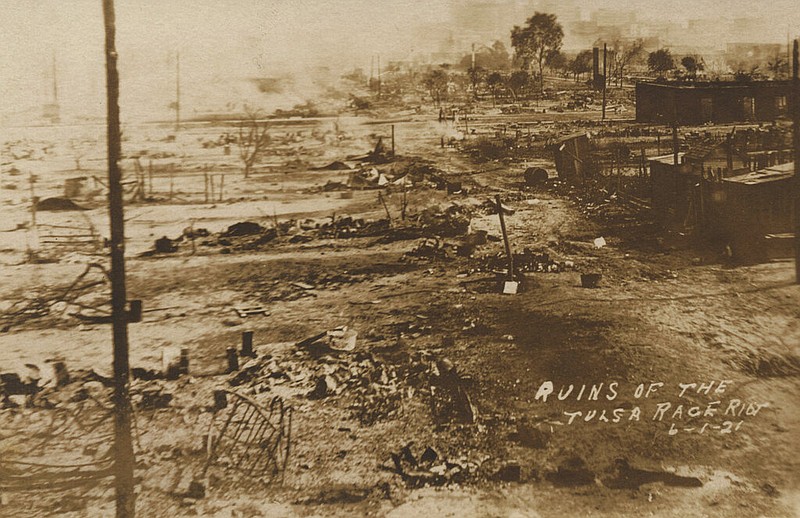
point(679, 10)
point(223, 39)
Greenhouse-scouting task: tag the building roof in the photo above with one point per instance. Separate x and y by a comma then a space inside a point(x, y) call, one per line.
point(769, 174)
point(572, 136)
point(702, 150)
point(695, 85)
point(667, 159)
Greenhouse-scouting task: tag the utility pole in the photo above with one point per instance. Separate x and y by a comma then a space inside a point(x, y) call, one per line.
point(473, 56)
point(177, 91)
point(605, 82)
point(474, 75)
point(380, 80)
point(675, 144)
point(796, 141)
point(123, 445)
point(55, 81)
point(34, 201)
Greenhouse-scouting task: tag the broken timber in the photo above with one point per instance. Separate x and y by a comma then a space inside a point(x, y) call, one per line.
point(245, 312)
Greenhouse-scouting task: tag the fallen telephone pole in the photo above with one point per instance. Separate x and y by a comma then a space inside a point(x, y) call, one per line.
point(123, 445)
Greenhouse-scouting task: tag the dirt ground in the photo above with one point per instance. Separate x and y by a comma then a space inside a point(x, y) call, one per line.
point(362, 419)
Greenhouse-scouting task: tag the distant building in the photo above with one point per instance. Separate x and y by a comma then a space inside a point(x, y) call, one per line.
point(746, 27)
point(695, 103)
point(487, 18)
point(669, 33)
point(52, 112)
point(746, 56)
point(607, 17)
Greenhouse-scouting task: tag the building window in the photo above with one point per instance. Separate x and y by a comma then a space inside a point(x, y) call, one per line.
point(749, 108)
point(780, 104)
point(707, 109)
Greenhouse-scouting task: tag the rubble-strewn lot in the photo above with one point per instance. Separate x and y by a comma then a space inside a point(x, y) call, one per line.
point(409, 377)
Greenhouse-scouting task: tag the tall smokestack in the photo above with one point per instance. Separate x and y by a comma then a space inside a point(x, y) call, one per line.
point(596, 67)
point(473, 56)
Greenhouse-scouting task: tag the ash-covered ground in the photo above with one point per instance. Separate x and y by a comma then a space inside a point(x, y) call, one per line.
point(372, 283)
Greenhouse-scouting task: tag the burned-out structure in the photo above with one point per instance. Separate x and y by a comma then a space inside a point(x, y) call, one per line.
point(572, 155)
point(716, 160)
point(673, 184)
point(689, 103)
point(748, 211)
point(753, 212)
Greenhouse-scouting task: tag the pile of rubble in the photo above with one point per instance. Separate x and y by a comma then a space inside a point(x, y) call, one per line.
point(429, 469)
point(451, 221)
point(347, 227)
point(600, 198)
point(526, 262)
point(403, 173)
point(432, 248)
point(248, 235)
point(376, 389)
point(329, 365)
point(27, 385)
point(326, 366)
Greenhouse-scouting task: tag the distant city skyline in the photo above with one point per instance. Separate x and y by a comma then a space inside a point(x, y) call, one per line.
point(222, 44)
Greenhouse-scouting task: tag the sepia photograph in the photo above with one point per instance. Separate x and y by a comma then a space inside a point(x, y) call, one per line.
point(399, 258)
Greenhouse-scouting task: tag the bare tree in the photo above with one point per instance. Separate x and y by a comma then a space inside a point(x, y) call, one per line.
point(581, 64)
point(517, 83)
point(437, 81)
point(78, 152)
point(495, 83)
point(623, 54)
point(778, 67)
point(253, 138)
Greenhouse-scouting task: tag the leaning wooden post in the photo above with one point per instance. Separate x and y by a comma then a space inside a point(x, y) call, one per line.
point(150, 174)
point(505, 239)
point(123, 446)
point(383, 202)
point(675, 144)
point(31, 181)
point(405, 200)
point(247, 343)
point(233, 359)
point(192, 237)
